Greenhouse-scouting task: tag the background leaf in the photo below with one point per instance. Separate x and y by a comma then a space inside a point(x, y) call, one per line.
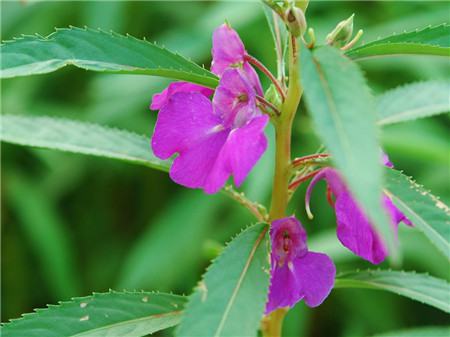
point(79, 137)
point(412, 101)
point(164, 252)
point(102, 314)
point(428, 41)
point(428, 331)
point(419, 287)
point(230, 299)
point(340, 104)
point(98, 51)
point(426, 212)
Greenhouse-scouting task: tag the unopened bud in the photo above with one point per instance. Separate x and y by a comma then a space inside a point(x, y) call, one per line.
point(273, 96)
point(295, 20)
point(302, 4)
point(342, 33)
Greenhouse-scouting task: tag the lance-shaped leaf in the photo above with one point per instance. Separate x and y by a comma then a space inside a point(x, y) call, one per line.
point(426, 212)
point(428, 41)
point(412, 101)
point(419, 287)
point(98, 51)
point(79, 137)
point(230, 299)
point(342, 109)
point(127, 314)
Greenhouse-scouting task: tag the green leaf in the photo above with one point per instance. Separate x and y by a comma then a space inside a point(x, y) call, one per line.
point(426, 212)
point(412, 101)
point(230, 299)
point(79, 137)
point(429, 331)
point(419, 287)
point(102, 314)
point(428, 41)
point(340, 104)
point(98, 51)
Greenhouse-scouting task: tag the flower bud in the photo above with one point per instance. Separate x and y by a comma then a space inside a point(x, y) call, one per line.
point(342, 33)
point(273, 96)
point(295, 20)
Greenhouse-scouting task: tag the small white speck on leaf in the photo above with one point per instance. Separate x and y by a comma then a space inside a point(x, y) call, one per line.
point(175, 305)
point(204, 291)
point(145, 299)
point(84, 318)
point(83, 305)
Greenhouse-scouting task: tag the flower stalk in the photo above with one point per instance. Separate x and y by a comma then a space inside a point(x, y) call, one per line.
point(272, 324)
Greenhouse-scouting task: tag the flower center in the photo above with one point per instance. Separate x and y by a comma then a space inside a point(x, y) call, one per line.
point(242, 98)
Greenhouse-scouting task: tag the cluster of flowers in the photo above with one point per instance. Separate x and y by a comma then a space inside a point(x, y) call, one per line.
point(223, 137)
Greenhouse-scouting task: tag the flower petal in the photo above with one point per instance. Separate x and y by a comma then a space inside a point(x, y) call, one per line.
point(284, 290)
point(193, 167)
point(227, 49)
point(234, 100)
point(160, 99)
point(186, 120)
point(242, 149)
point(395, 214)
point(355, 232)
point(315, 273)
point(253, 78)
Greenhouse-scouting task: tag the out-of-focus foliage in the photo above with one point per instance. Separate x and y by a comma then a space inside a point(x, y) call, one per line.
point(75, 224)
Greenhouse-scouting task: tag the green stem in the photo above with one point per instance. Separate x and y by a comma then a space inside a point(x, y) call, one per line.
point(272, 324)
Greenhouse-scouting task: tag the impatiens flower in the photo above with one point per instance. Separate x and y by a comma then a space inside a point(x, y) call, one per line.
point(213, 140)
point(229, 51)
point(353, 227)
point(160, 99)
point(296, 273)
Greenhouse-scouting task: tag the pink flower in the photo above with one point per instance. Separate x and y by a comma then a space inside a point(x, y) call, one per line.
point(229, 51)
point(216, 139)
point(213, 140)
point(296, 273)
point(353, 227)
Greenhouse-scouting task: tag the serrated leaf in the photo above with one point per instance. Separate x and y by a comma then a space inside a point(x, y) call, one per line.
point(230, 299)
point(426, 212)
point(412, 101)
point(428, 331)
point(98, 51)
point(340, 104)
point(419, 287)
point(79, 137)
point(106, 314)
point(428, 41)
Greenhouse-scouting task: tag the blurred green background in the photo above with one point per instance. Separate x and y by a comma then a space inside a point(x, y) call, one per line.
point(74, 224)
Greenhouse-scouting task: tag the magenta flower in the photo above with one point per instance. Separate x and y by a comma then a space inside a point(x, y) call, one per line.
point(213, 140)
point(229, 51)
point(160, 99)
point(296, 273)
point(218, 139)
point(353, 227)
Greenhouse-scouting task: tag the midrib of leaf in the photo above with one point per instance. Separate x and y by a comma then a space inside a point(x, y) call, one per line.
point(128, 322)
point(331, 104)
point(238, 284)
point(406, 112)
point(423, 221)
point(378, 285)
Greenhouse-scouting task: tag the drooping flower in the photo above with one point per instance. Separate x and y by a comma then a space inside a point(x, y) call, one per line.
point(229, 51)
point(354, 229)
point(296, 273)
point(213, 139)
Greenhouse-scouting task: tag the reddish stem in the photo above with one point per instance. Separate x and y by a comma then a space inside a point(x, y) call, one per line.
point(266, 72)
point(330, 197)
point(296, 183)
point(299, 161)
